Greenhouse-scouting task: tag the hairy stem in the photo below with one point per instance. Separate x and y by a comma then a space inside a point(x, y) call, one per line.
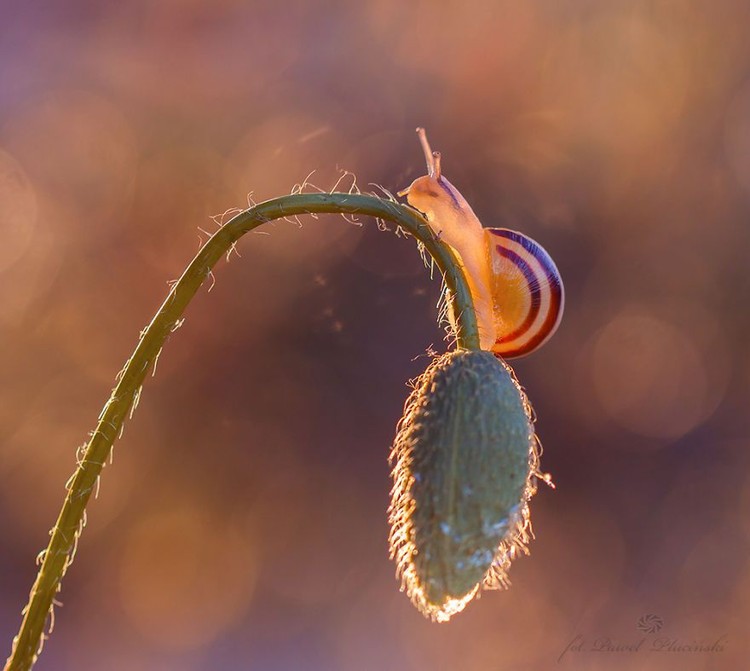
point(59, 553)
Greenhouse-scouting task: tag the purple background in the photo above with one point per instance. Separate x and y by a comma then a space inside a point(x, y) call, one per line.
point(242, 524)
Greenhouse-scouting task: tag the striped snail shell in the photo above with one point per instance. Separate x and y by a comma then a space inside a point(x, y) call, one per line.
point(527, 292)
point(516, 288)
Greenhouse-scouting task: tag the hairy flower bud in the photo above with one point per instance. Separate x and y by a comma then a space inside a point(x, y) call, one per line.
point(465, 462)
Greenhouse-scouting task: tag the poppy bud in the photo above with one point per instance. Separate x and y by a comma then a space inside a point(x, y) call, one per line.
point(465, 462)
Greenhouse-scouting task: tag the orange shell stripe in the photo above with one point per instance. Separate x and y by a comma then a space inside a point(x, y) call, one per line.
point(523, 274)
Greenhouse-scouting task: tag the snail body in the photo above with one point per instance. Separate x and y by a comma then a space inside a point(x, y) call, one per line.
point(516, 288)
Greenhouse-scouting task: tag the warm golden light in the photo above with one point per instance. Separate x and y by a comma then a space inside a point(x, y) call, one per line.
point(465, 463)
point(615, 133)
point(185, 577)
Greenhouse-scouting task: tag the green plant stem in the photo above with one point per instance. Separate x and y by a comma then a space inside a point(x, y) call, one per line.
point(58, 555)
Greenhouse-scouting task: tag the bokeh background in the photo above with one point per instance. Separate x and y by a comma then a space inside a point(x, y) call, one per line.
point(242, 524)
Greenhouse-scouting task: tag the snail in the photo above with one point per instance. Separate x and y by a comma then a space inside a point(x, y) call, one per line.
point(516, 288)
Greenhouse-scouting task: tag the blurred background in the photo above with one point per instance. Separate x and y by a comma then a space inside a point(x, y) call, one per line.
point(242, 523)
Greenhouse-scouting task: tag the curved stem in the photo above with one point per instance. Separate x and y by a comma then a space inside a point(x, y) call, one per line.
point(59, 553)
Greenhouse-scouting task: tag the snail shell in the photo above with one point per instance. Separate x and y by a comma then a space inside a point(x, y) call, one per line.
point(515, 285)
